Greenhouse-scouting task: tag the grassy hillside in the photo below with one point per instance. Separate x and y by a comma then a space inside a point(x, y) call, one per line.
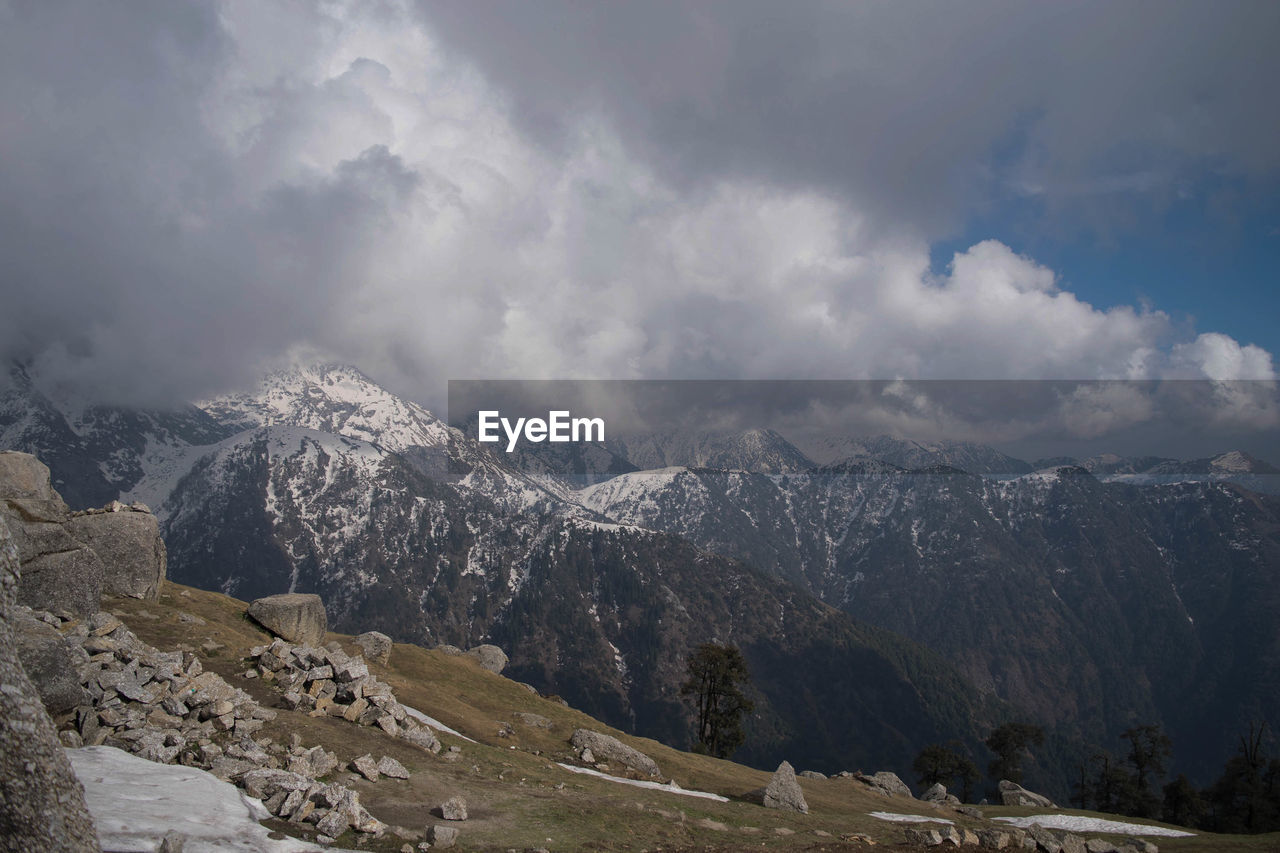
point(518, 797)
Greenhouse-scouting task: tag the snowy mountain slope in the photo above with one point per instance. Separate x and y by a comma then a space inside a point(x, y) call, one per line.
point(340, 400)
point(905, 453)
point(95, 452)
point(760, 450)
point(600, 614)
point(1233, 466)
point(1087, 602)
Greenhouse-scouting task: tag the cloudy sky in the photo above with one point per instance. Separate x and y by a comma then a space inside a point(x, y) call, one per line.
point(738, 189)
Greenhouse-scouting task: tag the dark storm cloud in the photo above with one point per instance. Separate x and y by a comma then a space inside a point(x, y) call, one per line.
point(735, 190)
point(917, 111)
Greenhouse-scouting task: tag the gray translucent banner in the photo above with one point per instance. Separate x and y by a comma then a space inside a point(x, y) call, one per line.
point(1147, 431)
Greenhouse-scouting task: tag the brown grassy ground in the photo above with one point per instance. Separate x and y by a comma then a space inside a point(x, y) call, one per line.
point(517, 797)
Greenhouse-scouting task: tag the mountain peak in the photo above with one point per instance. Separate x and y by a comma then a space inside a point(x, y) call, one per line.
point(335, 398)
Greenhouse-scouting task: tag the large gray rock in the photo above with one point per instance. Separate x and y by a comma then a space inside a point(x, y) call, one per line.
point(58, 572)
point(490, 657)
point(51, 662)
point(376, 646)
point(295, 616)
point(128, 542)
point(25, 482)
point(1013, 794)
point(607, 748)
point(886, 783)
point(783, 791)
point(42, 802)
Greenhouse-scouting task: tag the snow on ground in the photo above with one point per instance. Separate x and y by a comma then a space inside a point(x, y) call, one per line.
point(134, 802)
point(1076, 823)
point(908, 818)
point(671, 788)
point(433, 723)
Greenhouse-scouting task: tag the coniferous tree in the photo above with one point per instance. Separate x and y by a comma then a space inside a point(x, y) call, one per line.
point(1010, 743)
point(949, 765)
point(1149, 747)
point(716, 676)
point(1183, 804)
point(1244, 798)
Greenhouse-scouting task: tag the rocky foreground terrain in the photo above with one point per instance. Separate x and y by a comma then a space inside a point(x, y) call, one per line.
point(337, 741)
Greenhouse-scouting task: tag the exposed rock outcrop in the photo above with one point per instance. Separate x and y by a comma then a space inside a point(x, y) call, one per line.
point(43, 802)
point(50, 660)
point(127, 540)
point(605, 748)
point(58, 571)
point(294, 616)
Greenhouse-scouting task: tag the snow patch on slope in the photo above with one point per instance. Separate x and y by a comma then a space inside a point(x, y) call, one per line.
point(134, 802)
point(1078, 823)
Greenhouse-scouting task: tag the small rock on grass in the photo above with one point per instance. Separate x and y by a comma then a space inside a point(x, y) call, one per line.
point(388, 766)
point(454, 808)
point(442, 836)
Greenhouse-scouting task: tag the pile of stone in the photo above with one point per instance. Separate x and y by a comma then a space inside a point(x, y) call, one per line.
point(164, 707)
point(327, 681)
point(158, 705)
point(299, 798)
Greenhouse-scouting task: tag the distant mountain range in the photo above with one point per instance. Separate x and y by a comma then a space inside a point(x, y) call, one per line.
point(899, 594)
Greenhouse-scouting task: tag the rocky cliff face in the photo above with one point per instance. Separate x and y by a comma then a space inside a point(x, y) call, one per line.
point(43, 801)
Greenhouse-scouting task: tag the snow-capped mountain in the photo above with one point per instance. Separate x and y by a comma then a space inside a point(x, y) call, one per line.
point(761, 450)
point(340, 400)
point(1083, 603)
point(95, 452)
point(332, 398)
point(905, 453)
point(1234, 466)
point(326, 483)
point(1088, 602)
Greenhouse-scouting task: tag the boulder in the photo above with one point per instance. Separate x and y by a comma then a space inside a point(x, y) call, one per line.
point(783, 791)
point(128, 543)
point(937, 793)
point(1013, 794)
point(923, 837)
point(294, 616)
point(376, 646)
point(490, 657)
point(442, 836)
point(44, 807)
point(606, 748)
point(454, 808)
point(391, 768)
point(58, 572)
point(812, 774)
point(1073, 843)
point(25, 484)
point(52, 664)
point(886, 783)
